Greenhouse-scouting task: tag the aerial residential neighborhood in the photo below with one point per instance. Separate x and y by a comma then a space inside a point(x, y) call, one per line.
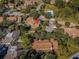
point(39, 29)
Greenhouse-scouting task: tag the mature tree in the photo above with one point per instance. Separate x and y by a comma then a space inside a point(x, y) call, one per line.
point(42, 9)
point(77, 27)
point(12, 27)
point(59, 3)
point(47, 1)
point(5, 22)
point(23, 28)
point(77, 40)
point(2, 10)
point(75, 4)
point(58, 25)
point(1, 33)
point(65, 12)
point(61, 37)
point(24, 41)
point(3, 1)
point(35, 14)
point(21, 57)
point(17, 1)
point(67, 24)
point(50, 56)
point(27, 10)
point(12, 1)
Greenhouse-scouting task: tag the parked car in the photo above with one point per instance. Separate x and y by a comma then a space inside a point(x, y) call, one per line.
point(75, 57)
point(3, 50)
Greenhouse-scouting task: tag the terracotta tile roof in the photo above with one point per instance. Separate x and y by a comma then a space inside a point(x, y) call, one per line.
point(44, 45)
point(29, 21)
point(1, 19)
point(14, 18)
point(11, 18)
point(29, 2)
point(72, 32)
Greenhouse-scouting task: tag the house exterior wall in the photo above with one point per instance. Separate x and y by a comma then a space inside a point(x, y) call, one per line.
point(29, 2)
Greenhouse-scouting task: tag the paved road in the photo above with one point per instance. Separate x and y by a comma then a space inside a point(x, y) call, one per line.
point(39, 6)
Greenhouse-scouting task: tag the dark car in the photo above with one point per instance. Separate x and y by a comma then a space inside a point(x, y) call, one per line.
point(75, 57)
point(3, 50)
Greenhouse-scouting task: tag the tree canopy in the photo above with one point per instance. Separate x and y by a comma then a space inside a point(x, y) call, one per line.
point(75, 4)
point(59, 3)
point(24, 41)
